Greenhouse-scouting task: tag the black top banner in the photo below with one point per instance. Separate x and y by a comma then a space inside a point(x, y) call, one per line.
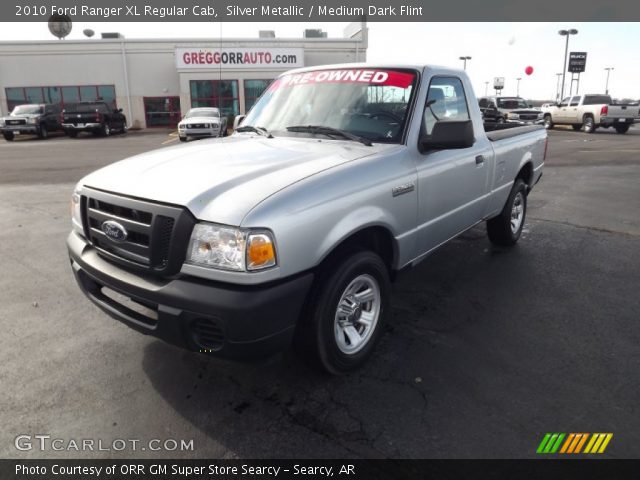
point(320, 10)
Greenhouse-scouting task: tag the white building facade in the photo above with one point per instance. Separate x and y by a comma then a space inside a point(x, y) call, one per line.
point(155, 82)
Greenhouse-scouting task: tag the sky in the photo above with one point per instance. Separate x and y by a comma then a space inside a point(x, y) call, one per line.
point(497, 49)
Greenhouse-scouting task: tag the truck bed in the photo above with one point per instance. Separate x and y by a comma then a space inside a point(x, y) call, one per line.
point(500, 132)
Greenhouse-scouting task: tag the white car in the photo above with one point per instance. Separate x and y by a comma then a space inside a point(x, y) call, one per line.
point(202, 122)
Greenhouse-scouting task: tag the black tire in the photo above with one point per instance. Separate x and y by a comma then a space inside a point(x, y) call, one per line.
point(43, 132)
point(548, 122)
point(105, 131)
point(588, 124)
point(183, 139)
point(576, 127)
point(622, 128)
point(71, 133)
point(500, 120)
point(8, 136)
point(318, 331)
point(499, 228)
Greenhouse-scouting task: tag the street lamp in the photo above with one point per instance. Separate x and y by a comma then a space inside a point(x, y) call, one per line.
point(606, 88)
point(518, 86)
point(558, 88)
point(486, 88)
point(566, 33)
point(464, 59)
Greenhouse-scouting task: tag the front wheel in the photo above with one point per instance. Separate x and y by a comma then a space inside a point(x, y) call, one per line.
point(344, 315)
point(548, 122)
point(622, 128)
point(505, 229)
point(8, 136)
point(43, 132)
point(106, 130)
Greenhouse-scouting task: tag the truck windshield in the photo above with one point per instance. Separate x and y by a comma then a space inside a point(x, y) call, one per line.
point(512, 103)
point(26, 110)
point(369, 103)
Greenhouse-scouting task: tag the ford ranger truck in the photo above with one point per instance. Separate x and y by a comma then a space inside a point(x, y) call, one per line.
point(589, 112)
point(290, 230)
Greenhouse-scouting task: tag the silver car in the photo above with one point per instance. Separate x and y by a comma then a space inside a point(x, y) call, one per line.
point(202, 122)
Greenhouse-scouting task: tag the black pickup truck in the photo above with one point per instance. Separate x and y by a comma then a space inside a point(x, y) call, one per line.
point(97, 117)
point(32, 119)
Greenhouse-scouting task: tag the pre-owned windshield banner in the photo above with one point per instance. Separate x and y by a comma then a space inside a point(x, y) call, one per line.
point(355, 75)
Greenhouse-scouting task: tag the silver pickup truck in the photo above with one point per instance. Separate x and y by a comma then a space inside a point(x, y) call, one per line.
point(291, 230)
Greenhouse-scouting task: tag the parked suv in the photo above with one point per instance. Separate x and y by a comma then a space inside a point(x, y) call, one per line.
point(509, 109)
point(98, 118)
point(36, 119)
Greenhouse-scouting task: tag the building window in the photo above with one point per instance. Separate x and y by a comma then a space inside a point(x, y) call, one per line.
point(162, 111)
point(252, 91)
point(60, 95)
point(216, 93)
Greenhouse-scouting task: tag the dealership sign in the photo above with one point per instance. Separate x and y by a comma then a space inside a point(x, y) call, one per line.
point(239, 58)
point(498, 83)
point(577, 62)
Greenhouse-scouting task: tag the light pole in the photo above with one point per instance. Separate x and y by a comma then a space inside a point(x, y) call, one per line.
point(486, 88)
point(464, 59)
point(606, 88)
point(518, 86)
point(566, 33)
point(558, 88)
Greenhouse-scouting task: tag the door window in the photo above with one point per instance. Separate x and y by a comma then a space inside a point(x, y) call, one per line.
point(446, 102)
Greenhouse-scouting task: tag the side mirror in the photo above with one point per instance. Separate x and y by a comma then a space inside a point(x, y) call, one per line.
point(448, 135)
point(238, 121)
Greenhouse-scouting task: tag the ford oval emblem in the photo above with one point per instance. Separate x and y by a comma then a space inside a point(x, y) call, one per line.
point(114, 231)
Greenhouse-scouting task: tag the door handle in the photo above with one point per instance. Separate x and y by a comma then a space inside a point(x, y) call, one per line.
point(479, 160)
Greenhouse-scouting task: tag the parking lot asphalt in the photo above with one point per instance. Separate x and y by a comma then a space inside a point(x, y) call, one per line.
point(485, 349)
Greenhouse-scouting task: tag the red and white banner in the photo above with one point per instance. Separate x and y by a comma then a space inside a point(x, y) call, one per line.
point(239, 58)
point(369, 76)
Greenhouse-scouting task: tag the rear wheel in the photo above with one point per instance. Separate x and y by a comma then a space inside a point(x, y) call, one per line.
point(344, 315)
point(548, 122)
point(8, 136)
point(505, 229)
point(588, 125)
point(622, 128)
point(43, 132)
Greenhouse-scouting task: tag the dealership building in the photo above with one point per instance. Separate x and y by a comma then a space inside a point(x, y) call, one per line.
point(156, 81)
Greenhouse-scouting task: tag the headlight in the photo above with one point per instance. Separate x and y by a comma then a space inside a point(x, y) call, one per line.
point(32, 121)
point(76, 215)
point(229, 248)
point(540, 115)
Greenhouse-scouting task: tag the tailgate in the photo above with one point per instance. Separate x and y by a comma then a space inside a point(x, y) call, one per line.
point(622, 111)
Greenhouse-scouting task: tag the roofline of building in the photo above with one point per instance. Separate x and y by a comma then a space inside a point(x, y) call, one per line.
point(180, 40)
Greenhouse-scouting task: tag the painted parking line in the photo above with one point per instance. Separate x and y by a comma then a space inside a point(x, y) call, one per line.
point(173, 137)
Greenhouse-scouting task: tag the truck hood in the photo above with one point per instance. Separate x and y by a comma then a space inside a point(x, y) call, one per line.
point(200, 120)
point(221, 180)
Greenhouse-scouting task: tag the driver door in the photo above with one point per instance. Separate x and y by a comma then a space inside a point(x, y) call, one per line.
point(452, 183)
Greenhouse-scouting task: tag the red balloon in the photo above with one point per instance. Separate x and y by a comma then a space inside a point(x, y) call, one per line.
point(528, 70)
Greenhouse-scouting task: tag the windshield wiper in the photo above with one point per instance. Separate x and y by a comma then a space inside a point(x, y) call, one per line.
point(259, 130)
point(329, 131)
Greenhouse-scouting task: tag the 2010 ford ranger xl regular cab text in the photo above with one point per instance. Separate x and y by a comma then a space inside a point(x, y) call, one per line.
point(290, 230)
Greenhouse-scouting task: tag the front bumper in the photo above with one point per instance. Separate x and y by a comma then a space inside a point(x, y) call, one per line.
point(199, 132)
point(538, 121)
point(19, 129)
point(232, 321)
